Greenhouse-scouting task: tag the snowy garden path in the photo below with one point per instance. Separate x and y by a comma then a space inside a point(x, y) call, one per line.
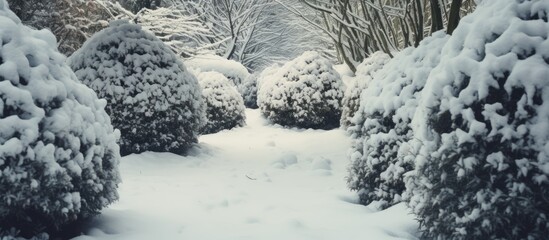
point(255, 182)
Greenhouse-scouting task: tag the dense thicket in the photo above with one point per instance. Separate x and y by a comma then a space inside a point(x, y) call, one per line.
point(360, 28)
point(72, 22)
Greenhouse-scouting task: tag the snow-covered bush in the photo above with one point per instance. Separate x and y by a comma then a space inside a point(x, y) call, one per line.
point(231, 69)
point(58, 152)
point(224, 105)
point(306, 92)
point(483, 170)
point(266, 75)
point(248, 90)
point(380, 154)
point(152, 98)
point(364, 74)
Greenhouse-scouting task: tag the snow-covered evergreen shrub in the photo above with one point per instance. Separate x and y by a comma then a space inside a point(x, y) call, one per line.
point(224, 106)
point(266, 74)
point(58, 152)
point(483, 170)
point(306, 92)
point(380, 154)
point(364, 74)
point(231, 69)
point(152, 98)
point(248, 90)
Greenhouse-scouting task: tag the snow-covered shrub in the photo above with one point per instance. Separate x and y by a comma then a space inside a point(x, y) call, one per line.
point(364, 74)
point(266, 74)
point(224, 105)
point(248, 90)
point(58, 152)
point(231, 69)
point(152, 98)
point(380, 154)
point(306, 92)
point(483, 170)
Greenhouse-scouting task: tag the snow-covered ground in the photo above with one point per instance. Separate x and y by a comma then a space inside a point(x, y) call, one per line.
point(256, 182)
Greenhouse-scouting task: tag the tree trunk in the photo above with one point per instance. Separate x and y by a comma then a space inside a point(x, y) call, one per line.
point(436, 16)
point(454, 18)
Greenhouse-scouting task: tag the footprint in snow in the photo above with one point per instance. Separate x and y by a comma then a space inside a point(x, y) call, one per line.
point(285, 161)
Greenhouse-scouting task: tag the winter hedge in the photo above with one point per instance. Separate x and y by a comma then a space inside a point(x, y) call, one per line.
point(306, 92)
point(58, 153)
point(152, 98)
point(380, 154)
point(224, 106)
point(364, 74)
point(483, 172)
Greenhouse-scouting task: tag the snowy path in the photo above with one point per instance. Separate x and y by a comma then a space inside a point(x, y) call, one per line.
point(256, 182)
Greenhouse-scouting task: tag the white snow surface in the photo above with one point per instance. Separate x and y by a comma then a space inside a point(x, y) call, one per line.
point(256, 182)
point(231, 69)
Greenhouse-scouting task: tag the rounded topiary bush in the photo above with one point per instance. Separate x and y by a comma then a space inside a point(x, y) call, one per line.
point(266, 75)
point(364, 74)
point(306, 92)
point(483, 170)
point(58, 153)
point(152, 98)
point(248, 90)
point(224, 106)
point(380, 153)
point(233, 70)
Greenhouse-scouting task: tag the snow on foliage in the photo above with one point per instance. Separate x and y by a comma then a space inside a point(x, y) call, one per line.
point(231, 69)
point(152, 98)
point(224, 105)
point(381, 128)
point(266, 74)
point(306, 92)
point(248, 90)
point(483, 170)
point(364, 74)
point(58, 153)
